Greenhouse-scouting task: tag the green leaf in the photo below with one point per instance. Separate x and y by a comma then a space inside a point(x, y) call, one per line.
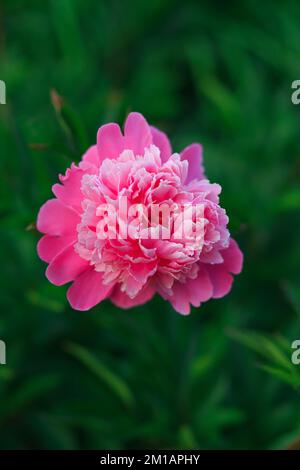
point(292, 293)
point(93, 364)
point(71, 123)
point(290, 200)
point(261, 344)
point(28, 392)
point(282, 375)
point(187, 438)
point(275, 351)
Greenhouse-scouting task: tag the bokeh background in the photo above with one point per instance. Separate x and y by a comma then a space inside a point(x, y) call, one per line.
point(206, 71)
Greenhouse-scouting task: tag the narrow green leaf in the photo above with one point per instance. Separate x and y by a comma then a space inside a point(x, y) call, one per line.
point(27, 393)
point(93, 364)
point(70, 123)
point(284, 376)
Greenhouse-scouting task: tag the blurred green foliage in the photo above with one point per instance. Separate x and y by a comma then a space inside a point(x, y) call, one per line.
point(203, 71)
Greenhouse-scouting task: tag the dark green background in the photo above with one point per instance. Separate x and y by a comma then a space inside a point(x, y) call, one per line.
point(215, 72)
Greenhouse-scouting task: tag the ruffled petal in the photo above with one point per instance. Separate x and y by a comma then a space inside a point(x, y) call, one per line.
point(69, 192)
point(88, 290)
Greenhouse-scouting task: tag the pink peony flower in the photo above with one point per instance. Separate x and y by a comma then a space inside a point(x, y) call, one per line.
point(129, 270)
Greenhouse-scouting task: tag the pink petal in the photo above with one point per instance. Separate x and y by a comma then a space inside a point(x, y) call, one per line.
point(110, 142)
point(91, 156)
point(69, 192)
point(137, 133)
point(141, 271)
point(88, 290)
point(233, 257)
point(56, 219)
point(193, 154)
point(212, 257)
point(220, 279)
point(120, 299)
point(51, 245)
point(179, 300)
point(194, 291)
point(66, 266)
point(200, 289)
point(161, 141)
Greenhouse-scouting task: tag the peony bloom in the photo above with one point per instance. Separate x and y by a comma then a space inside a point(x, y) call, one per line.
point(129, 270)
